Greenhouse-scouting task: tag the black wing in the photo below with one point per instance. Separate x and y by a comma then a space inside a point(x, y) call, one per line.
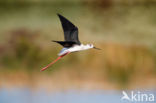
point(66, 44)
point(70, 30)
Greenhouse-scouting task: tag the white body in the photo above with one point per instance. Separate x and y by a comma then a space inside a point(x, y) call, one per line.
point(75, 48)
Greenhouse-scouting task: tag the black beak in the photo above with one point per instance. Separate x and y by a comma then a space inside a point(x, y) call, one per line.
point(96, 48)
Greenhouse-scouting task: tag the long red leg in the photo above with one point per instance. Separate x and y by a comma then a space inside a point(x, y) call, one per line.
point(54, 61)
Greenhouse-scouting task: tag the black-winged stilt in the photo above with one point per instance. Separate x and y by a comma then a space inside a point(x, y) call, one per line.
point(71, 43)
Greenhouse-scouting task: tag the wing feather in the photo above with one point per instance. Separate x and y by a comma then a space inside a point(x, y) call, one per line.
point(70, 30)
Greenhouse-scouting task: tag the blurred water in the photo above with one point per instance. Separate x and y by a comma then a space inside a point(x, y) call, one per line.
point(25, 95)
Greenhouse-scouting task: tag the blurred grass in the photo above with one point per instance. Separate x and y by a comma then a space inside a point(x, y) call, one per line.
point(126, 34)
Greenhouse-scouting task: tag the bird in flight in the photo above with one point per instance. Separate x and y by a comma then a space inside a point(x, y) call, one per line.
point(71, 42)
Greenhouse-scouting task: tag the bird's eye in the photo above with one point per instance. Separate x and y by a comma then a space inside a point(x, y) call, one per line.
point(90, 44)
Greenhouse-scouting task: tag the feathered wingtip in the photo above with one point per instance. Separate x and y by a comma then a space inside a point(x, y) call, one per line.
point(59, 15)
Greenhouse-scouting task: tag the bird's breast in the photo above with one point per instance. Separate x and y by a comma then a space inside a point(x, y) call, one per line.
point(76, 48)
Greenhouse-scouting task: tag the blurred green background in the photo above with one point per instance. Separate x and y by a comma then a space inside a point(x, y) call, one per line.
point(125, 30)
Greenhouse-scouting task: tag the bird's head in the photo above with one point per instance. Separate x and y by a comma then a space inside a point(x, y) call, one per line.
point(92, 46)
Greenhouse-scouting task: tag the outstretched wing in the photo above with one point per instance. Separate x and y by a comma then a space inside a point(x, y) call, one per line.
point(66, 44)
point(70, 30)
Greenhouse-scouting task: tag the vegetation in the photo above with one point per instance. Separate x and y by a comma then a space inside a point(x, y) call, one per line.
point(126, 34)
